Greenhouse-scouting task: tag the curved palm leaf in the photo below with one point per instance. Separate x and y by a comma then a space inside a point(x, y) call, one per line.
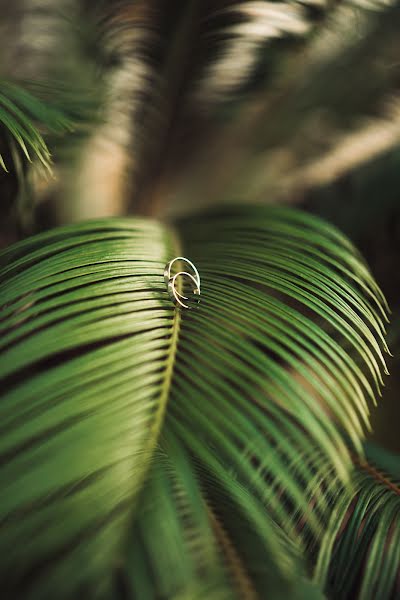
point(20, 112)
point(174, 515)
point(362, 559)
point(203, 534)
point(95, 361)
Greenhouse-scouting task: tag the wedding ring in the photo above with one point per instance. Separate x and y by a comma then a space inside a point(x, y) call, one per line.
point(171, 280)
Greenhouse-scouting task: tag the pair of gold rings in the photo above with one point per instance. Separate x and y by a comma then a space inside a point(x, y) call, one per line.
point(179, 294)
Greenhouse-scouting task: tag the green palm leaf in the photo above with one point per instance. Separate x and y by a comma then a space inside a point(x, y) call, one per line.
point(202, 536)
point(21, 114)
point(173, 515)
point(255, 385)
point(362, 559)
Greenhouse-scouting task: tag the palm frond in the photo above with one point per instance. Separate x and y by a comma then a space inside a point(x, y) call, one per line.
point(88, 426)
point(20, 115)
point(205, 535)
point(47, 52)
point(258, 555)
point(255, 384)
point(173, 515)
point(362, 559)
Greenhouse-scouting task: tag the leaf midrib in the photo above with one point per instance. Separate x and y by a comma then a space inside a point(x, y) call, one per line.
point(156, 425)
point(158, 420)
point(377, 474)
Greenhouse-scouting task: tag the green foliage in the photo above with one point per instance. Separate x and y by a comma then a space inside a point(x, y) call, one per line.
point(173, 516)
point(147, 453)
point(23, 115)
point(257, 402)
point(362, 560)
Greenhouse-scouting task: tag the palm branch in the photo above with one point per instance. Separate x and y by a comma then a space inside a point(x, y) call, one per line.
point(148, 452)
point(362, 559)
point(97, 368)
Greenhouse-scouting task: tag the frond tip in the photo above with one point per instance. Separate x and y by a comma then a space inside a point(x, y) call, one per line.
point(21, 114)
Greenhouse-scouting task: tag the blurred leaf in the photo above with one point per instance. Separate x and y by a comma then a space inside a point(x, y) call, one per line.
point(365, 205)
point(174, 516)
point(328, 109)
point(210, 101)
point(255, 384)
point(175, 74)
point(205, 556)
point(20, 112)
point(364, 560)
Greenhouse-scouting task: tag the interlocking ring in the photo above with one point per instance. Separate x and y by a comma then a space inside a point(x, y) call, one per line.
point(177, 296)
